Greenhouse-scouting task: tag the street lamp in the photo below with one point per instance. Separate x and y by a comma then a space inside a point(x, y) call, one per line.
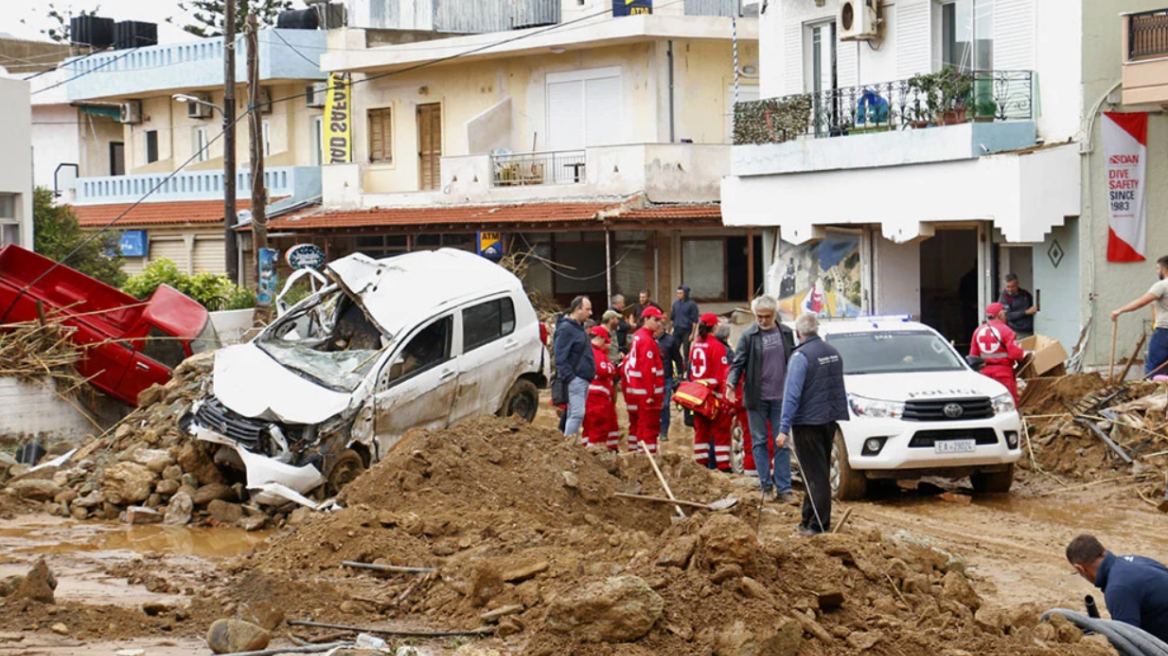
point(185, 98)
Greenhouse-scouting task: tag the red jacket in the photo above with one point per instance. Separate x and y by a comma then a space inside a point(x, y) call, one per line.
point(605, 373)
point(708, 364)
point(643, 373)
point(995, 343)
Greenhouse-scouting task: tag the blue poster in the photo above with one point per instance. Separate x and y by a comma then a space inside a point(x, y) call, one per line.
point(631, 7)
point(266, 290)
point(133, 243)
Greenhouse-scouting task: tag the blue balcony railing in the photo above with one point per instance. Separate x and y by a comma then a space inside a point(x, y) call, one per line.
point(298, 182)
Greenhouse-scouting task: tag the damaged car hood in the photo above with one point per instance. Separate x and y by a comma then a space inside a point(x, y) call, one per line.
point(251, 383)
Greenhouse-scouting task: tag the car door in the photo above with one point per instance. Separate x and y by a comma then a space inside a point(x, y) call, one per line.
point(417, 385)
point(490, 357)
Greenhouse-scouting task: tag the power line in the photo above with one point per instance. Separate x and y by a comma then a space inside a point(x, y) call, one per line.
point(92, 70)
point(293, 49)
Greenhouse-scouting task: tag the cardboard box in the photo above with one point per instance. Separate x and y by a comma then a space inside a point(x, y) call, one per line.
point(1049, 356)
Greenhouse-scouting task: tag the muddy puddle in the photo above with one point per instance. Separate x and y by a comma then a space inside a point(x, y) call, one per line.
point(40, 537)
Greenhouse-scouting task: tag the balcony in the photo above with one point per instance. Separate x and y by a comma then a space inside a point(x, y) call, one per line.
point(163, 69)
point(550, 168)
point(1145, 57)
point(297, 182)
point(938, 117)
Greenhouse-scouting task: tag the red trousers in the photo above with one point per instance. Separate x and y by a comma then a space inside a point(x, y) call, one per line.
point(715, 432)
point(748, 466)
point(600, 424)
point(1004, 374)
point(644, 426)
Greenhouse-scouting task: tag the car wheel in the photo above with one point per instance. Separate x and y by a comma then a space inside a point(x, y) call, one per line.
point(521, 401)
point(737, 447)
point(993, 483)
point(847, 484)
point(346, 469)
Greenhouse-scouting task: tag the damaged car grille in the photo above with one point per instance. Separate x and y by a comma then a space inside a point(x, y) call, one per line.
point(213, 415)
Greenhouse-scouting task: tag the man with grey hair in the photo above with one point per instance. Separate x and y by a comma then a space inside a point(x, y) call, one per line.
point(814, 399)
point(760, 362)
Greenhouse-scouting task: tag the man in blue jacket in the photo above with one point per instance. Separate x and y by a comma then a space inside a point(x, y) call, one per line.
point(1135, 588)
point(684, 317)
point(574, 364)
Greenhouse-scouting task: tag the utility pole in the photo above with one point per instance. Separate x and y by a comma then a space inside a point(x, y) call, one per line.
point(230, 250)
point(259, 219)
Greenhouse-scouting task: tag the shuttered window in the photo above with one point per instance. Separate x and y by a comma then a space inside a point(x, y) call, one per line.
point(381, 135)
point(584, 108)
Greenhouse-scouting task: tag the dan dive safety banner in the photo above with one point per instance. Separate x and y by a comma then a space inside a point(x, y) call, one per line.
point(338, 121)
point(1125, 142)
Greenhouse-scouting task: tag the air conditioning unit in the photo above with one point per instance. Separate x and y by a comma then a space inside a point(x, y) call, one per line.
point(131, 112)
point(265, 101)
point(199, 110)
point(858, 20)
point(316, 94)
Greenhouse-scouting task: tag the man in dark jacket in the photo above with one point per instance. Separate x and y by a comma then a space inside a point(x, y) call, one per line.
point(574, 364)
point(623, 328)
point(760, 362)
point(684, 317)
point(1020, 309)
point(644, 300)
point(1135, 588)
point(814, 400)
point(674, 366)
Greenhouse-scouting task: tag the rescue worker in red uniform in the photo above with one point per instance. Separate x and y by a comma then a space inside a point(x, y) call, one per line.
point(710, 367)
point(995, 343)
point(600, 424)
point(643, 378)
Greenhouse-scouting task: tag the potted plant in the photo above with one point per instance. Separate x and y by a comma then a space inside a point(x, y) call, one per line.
point(985, 110)
point(924, 90)
point(955, 88)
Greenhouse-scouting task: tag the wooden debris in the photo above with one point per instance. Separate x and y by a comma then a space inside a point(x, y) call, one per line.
point(390, 632)
point(387, 568)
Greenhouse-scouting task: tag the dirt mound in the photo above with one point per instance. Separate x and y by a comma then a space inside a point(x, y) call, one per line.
point(1045, 396)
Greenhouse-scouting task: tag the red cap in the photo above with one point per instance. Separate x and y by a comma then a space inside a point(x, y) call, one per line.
point(994, 309)
point(710, 319)
point(651, 312)
point(600, 331)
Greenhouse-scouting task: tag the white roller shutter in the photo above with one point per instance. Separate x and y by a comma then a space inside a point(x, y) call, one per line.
point(565, 115)
point(209, 255)
point(1014, 35)
point(914, 43)
point(170, 249)
point(848, 63)
point(793, 58)
point(602, 104)
point(132, 266)
point(584, 108)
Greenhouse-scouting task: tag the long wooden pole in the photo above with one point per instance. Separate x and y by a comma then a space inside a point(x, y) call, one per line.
point(1111, 367)
point(661, 477)
point(1131, 360)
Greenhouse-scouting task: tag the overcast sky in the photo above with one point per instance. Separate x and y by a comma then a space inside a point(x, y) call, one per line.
point(33, 14)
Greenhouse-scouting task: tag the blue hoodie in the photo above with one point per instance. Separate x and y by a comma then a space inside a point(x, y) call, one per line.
point(573, 351)
point(1136, 591)
point(684, 315)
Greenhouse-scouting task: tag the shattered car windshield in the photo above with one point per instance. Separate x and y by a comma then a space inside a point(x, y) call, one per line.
point(330, 341)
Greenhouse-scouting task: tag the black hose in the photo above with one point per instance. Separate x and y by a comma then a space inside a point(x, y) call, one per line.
point(1122, 644)
point(1150, 644)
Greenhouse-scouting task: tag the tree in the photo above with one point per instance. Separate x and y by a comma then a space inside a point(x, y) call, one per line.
point(61, 31)
point(57, 233)
point(206, 16)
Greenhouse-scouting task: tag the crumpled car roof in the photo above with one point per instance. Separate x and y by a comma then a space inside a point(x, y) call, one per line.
point(398, 292)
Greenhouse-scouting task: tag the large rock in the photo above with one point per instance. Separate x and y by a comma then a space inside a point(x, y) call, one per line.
point(213, 491)
point(194, 460)
point(233, 636)
point(727, 540)
point(156, 460)
point(178, 512)
point(138, 515)
point(38, 584)
point(150, 395)
point(225, 512)
point(957, 588)
point(619, 609)
point(92, 500)
point(36, 489)
point(677, 553)
point(127, 483)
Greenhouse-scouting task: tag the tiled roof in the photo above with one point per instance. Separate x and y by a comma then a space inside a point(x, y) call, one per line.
point(532, 213)
point(147, 214)
point(674, 213)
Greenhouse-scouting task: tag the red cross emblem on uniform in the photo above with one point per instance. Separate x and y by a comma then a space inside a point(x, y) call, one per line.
point(989, 340)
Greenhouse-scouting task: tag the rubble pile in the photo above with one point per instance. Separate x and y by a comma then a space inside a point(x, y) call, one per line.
point(523, 534)
point(146, 470)
point(30, 351)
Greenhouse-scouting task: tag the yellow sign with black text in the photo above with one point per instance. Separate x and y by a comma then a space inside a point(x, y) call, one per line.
point(338, 121)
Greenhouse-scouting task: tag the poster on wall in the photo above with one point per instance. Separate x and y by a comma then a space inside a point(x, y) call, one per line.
point(1125, 143)
point(822, 278)
point(632, 7)
point(338, 121)
point(266, 290)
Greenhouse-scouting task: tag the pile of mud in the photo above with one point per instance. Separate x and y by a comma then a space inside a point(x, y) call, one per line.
point(524, 535)
point(1045, 396)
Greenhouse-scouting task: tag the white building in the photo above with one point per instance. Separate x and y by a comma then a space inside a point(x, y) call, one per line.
point(16, 165)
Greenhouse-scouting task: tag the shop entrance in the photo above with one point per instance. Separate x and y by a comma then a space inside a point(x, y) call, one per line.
point(949, 284)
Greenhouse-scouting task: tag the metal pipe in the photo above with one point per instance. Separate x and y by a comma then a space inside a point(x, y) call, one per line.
point(391, 632)
point(387, 568)
point(608, 264)
point(669, 54)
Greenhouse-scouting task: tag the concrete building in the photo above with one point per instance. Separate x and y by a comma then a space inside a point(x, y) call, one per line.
point(933, 184)
point(149, 135)
point(598, 144)
point(16, 178)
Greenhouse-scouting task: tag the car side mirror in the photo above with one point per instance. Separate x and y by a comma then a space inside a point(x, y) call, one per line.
point(976, 363)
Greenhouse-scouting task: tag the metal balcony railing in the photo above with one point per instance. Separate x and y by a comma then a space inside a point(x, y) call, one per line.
point(935, 99)
point(546, 168)
point(1147, 35)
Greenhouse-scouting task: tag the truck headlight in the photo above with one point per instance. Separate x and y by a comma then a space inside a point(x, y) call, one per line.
point(875, 408)
point(1003, 403)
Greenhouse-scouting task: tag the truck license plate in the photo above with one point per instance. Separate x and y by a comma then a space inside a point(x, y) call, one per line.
point(955, 446)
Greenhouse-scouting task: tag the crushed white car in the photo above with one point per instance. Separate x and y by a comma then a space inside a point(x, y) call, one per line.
point(917, 409)
point(421, 340)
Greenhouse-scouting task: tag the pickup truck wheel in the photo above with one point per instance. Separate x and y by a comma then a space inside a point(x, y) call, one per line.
point(522, 401)
point(347, 468)
point(847, 484)
point(993, 483)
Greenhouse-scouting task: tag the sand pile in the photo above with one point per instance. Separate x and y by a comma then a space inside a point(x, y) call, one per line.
point(1045, 396)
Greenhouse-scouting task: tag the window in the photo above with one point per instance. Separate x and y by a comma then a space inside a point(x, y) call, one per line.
point(163, 349)
point(151, 146)
point(9, 228)
point(584, 108)
point(200, 145)
point(381, 135)
point(703, 268)
point(117, 158)
point(967, 35)
point(382, 246)
point(427, 349)
point(486, 322)
point(317, 140)
point(266, 133)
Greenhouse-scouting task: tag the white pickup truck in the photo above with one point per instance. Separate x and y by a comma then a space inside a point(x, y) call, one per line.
point(917, 409)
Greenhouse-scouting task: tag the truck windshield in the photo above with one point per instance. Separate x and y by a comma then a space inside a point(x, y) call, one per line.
point(894, 352)
point(331, 342)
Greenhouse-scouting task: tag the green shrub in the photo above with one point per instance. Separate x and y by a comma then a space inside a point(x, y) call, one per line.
point(213, 292)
